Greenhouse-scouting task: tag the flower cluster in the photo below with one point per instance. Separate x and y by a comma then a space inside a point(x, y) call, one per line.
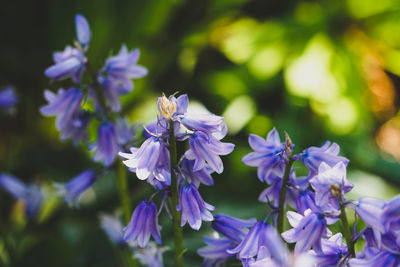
point(319, 201)
point(154, 161)
point(104, 89)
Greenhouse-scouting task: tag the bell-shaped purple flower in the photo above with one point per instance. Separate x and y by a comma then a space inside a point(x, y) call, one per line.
point(144, 161)
point(391, 212)
point(144, 222)
point(65, 105)
point(326, 178)
point(202, 176)
point(79, 184)
point(307, 231)
point(69, 63)
point(122, 68)
point(82, 31)
point(113, 228)
point(208, 123)
point(215, 252)
point(206, 148)
point(370, 211)
point(231, 227)
point(313, 156)
point(194, 208)
point(31, 195)
point(306, 200)
point(382, 259)
point(8, 98)
point(268, 153)
point(333, 249)
point(107, 144)
point(258, 236)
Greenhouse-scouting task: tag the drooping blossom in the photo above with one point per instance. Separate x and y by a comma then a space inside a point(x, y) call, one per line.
point(231, 227)
point(206, 148)
point(268, 153)
point(144, 160)
point(194, 209)
point(106, 146)
point(113, 227)
point(144, 222)
point(8, 98)
point(333, 250)
point(151, 255)
point(31, 195)
point(122, 68)
point(215, 252)
point(74, 188)
point(82, 31)
point(383, 258)
point(202, 176)
point(391, 214)
point(313, 156)
point(307, 231)
point(326, 178)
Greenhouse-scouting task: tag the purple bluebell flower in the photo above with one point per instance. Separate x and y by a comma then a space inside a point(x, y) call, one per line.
point(31, 195)
point(307, 231)
point(206, 148)
point(194, 208)
point(382, 259)
point(77, 128)
point(370, 211)
point(313, 156)
point(208, 123)
point(151, 255)
point(231, 227)
point(79, 184)
point(113, 228)
point(202, 176)
point(333, 249)
point(215, 252)
point(69, 63)
point(306, 200)
point(107, 144)
point(326, 178)
point(268, 153)
point(122, 68)
point(8, 98)
point(259, 236)
point(65, 105)
point(82, 31)
point(144, 222)
point(391, 213)
point(172, 107)
point(144, 160)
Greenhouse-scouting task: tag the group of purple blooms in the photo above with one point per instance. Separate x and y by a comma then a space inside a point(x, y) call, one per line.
point(315, 201)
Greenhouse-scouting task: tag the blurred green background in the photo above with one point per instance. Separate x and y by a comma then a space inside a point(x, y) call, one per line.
point(316, 69)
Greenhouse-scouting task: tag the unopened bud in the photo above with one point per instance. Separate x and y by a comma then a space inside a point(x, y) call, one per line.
point(334, 189)
point(166, 107)
point(289, 145)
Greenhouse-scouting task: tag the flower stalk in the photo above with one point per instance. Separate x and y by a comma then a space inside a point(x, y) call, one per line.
point(282, 197)
point(346, 229)
point(176, 215)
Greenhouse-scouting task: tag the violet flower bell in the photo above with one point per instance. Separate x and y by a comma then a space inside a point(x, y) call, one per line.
point(106, 146)
point(202, 176)
point(330, 184)
point(122, 68)
point(206, 148)
point(391, 213)
point(144, 222)
point(307, 231)
point(268, 153)
point(82, 31)
point(65, 105)
point(112, 226)
point(30, 195)
point(333, 250)
point(69, 63)
point(194, 209)
point(145, 160)
point(8, 98)
point(74, 188)
point(383, 258)
point(215, 252)
point(313, 156)
point(231, 227)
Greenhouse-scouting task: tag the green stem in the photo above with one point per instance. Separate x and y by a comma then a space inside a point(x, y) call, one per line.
point(282, 197)
point(176, 215)
point(346, 229)
point(123, 191)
